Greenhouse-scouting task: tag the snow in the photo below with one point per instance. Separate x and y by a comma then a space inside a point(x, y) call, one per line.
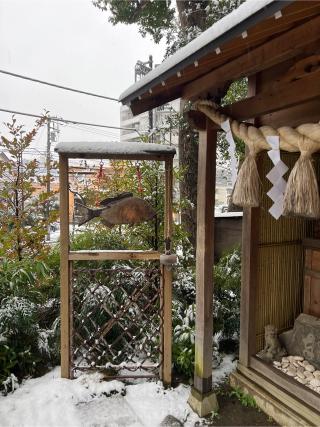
point(88, 401)
point(227, 214)
point(227, 365)
point(209, 37)
point(113, 148)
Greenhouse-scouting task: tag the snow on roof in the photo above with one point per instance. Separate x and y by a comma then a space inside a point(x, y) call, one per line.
point(113, 149)
point(211, 37)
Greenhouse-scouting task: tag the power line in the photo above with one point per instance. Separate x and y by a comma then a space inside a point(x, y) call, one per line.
point(20, 76)
point(59, 119)
point(94, 132)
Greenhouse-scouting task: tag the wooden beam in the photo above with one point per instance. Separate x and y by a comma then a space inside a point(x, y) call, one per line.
point(249, 249)
point(293, 116)
point(166, 278)
point(104, 255)
point(277, 98)
point(286, 409)
point(160, 157)
point(250, 233)
point(65, 269)
point(276, 50)
point(198, 120)
point(204, 260)
point(166, 274)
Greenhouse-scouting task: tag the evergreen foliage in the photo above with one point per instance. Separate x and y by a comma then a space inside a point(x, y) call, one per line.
point(29, 321)
point(227, 281)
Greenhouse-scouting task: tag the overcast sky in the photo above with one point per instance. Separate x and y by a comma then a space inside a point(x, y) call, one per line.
point(68, 42)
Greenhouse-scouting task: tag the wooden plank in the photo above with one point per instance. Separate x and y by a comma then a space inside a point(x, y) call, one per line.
point(167, 326)
point(306, 294)
point(160, 157)
point(276, 50)
point(315, 261)
point(64, 269)
point(204, 260)
point(311, 243)
point(250, 232)
point(104, 255)
point(250, 250)
point(283, 381)
point(270, 404)
point(307, 112)
point(168, 202)
point(314, 309)
point(277, 98)
point(167, 277)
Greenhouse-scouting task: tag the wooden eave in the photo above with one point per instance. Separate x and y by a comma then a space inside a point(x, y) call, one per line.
point(283, 38)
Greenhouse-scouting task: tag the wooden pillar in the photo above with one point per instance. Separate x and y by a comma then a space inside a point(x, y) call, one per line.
point(249, 249)
point(65, 269)
point(202, 399)
point(166, 274)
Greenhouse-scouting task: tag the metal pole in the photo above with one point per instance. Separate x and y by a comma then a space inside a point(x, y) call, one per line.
point(48, 158)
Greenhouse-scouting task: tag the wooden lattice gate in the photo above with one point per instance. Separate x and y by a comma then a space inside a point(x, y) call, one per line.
point(116, 319)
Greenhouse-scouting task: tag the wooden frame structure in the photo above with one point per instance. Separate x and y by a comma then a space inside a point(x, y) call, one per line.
point(136, 151)
point(278, 48)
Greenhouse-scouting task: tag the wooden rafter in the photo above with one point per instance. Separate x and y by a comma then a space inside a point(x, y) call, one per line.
point(272, 52)
point(277, 98)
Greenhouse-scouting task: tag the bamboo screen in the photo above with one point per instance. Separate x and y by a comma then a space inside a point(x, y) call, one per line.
point(280, 262)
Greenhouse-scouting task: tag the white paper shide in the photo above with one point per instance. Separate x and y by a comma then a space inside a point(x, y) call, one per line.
point(275, 176)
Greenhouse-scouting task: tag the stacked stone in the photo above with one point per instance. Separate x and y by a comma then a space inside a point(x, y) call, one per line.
point(301, 370)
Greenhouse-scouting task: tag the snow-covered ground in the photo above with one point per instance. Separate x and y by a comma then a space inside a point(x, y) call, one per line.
point(50, 401)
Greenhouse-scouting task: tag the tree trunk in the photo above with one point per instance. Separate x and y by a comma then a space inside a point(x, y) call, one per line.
point(188, 139)
point(188, 162)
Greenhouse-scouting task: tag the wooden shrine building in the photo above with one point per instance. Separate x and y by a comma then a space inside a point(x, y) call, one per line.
point(276, 45)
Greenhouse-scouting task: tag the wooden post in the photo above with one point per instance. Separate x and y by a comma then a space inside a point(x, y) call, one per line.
point(166, 275)
point(249, 249)
point(202, 398)
point(65, 269)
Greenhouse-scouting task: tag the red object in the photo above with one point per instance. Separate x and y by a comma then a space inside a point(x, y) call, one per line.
point(139, 176)
point(100, 175)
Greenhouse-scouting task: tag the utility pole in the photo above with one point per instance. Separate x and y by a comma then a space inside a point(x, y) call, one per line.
point(150, 111)
point(48, 158)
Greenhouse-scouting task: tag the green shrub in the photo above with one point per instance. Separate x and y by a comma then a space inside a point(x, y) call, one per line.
point(183, 339)
point(245, 399)
point(227, 279)
point(28, 333)
point(227, 285)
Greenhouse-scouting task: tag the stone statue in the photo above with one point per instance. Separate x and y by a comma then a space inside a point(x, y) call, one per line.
point(273, 349)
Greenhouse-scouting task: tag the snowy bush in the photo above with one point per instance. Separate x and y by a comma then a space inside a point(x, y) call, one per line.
point(28, 332)
point(227, 279)
point(183, 339)
point(184, 285)
point(227, 284)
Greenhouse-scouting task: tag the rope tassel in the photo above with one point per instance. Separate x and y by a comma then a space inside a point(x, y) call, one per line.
point(302, 193)
point(247, 189)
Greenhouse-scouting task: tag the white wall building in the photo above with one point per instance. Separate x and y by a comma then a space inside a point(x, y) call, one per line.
point(141, 125)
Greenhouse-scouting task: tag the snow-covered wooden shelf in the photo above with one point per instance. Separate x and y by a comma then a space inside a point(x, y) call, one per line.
point(115, 150)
